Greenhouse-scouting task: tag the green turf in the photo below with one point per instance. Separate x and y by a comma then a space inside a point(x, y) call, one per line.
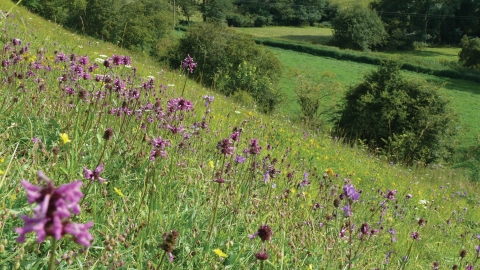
point(313, 35)
point(465, 96)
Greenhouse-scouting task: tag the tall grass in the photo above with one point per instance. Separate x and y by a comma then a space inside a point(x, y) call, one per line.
point(176, 187)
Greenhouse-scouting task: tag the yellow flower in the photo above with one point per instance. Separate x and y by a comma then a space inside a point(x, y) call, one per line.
point(220, 253)
point(211, 164)
point(2, 172)
point(64, 138)
point(293, 190)
point(310, 267)
point(2, 159)
point(329, 171)
point(119, 192)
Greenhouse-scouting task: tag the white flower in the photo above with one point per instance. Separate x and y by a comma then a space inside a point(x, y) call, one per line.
point(237, 112)
point(423, 202)
point(170, 84)
point(99, 60)
point(103, 55)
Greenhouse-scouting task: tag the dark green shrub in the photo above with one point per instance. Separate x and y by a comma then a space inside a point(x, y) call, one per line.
point(408, 120)
point(359, 28)
point(230, 62)
point(469, 56)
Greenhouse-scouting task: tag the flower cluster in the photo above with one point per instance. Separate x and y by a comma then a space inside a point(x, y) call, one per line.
point(52, 215)
point(188, 63)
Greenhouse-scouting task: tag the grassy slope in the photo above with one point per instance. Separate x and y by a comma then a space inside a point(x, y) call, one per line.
point(184, 191)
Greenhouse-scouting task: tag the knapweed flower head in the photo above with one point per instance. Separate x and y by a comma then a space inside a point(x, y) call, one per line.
point(261, 256)
point(391, 194)
point(169, 242)
point(52, 214)
point(64, 138)
point(351, 192)
point(95, 174)
point(188, 63)
point(264, 232)
point(415, 236)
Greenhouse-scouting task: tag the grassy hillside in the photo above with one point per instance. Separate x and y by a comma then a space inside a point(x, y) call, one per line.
point(181, 177)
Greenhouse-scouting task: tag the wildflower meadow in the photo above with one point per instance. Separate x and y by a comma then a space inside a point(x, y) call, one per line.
point(108, 161)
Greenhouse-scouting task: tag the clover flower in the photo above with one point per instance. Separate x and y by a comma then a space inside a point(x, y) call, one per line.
point(52, 214)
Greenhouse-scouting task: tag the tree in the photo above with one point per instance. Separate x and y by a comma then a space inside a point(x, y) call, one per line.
point(469, 56)
point(407, 120)
point(357, 27)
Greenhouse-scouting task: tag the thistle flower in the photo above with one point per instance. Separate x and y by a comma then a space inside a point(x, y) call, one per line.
point(95, 174)
point(52, 215)
point(264, 232)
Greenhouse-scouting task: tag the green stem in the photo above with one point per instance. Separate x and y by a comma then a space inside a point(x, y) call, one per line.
point(161, 260)
point(217, 199)
point(52, 254)
point(261, 265)
point(185, 84)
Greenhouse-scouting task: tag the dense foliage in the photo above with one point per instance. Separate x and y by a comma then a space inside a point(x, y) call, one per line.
point(469, 56)
point(357, 27)
point(408, 120)
point(282, 12)
point(136, 25)
point(433, 21)
point(231, 62)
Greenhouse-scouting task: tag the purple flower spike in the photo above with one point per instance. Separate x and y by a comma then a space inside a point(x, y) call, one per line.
point(264, 232)
point(188, 63)
point(52, 214)
point(95, 175)
point(351, 192)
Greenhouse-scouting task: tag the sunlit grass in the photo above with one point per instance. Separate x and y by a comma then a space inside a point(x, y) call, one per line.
point(293, 183)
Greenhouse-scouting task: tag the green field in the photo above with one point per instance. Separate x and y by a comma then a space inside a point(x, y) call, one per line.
point(465, 95)
point(313, 35)
point(437, 58)
point(344, 3)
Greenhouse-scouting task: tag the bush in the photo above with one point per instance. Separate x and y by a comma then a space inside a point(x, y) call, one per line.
point(407, 120)
point(231, 62)
point(469, 56)
point(310, 94)
point(358, 28)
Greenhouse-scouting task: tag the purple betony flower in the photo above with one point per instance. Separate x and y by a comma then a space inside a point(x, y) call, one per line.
point(240, 159)
point(52, 214)
point(254, 147)
point(391, 194)
point(188, 63)
point(347, 210)
point(95, 174)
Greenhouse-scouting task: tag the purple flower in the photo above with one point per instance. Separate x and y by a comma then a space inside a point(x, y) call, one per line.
point(95, 174)
point(208, 100)
point(391, 194)
point(16, 41)
point(52, 214)
point(225, 147)
point(235, 136)
point(160, 143)
point(188, 63)
point(415, 236)
point(347, 210)
point(264, 232)
point(179, 104)
point(351, 192)
point(254, 147)
point(240, 159)
point(469, 267)
point(305, 181)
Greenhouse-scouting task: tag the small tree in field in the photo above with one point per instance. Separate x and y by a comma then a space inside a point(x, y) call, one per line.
point(358, 28)
point(408, 120)
point(469, 56)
